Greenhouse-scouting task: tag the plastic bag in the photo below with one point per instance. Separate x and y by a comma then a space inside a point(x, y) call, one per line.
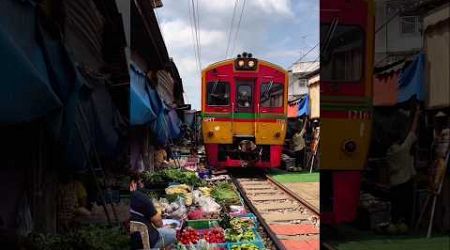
point(176, 209)
point(208, 205)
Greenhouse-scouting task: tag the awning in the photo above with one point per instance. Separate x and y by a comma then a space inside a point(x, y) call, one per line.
point(385, 89)
point(293, 110)
point(412, 80)
point(26, 92)
point(145, 104)
point(303, 107)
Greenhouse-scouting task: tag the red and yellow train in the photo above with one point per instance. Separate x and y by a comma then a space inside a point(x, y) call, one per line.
point(244, 110)
point(347, 50)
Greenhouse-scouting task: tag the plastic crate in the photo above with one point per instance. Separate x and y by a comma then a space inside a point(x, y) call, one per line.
point(201, 224)
point(211, 246)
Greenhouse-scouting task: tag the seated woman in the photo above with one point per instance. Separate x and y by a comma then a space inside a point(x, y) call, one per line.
point(143, 210)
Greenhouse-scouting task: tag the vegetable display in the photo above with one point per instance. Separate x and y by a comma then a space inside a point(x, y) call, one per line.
point(215, 236)
point(225, 194)
point(189, 236)
point(172, 175)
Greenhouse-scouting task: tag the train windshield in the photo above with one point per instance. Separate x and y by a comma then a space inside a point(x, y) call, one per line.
point(244, 94)
point(271, 95)
point(218, 93)
point(342, 53)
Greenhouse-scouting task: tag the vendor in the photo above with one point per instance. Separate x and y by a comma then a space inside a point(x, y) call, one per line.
point(72, 201)
point(401, 168)
point(298, 144)
point(160, 158)
point(143, 210)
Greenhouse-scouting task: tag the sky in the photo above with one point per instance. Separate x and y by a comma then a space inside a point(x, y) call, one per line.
point(279, 31)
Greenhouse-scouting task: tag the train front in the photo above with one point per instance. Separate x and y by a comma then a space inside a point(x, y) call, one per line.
point(347, 37)
point(244, 110)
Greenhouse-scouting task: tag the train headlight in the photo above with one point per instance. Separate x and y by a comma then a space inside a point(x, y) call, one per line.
point(210, 134)
point(349, 146)
point(241, 63)
point(251, 63)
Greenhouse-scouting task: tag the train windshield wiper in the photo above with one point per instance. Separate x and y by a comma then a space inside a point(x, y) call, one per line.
point(266, 93)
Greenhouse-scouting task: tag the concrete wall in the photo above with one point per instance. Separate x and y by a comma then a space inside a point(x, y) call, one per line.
point(390, 40)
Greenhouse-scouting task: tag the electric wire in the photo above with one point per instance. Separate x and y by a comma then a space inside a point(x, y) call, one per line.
point(231, 28)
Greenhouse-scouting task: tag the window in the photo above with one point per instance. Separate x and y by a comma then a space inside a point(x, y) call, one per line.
point(218, 93)
point(244, 95)
point(303, 83)
point(342, 53)
point(409, 25)
point(271, 95)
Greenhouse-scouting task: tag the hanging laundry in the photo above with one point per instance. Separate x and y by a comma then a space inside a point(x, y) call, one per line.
point(412, 80)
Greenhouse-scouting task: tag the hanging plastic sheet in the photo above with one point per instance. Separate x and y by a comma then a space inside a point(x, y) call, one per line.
point(303, 106)
point(161, 129)
point(412, 80)
point(174, 125)
point(141, 108)
point(92, 124)
point(25, 92)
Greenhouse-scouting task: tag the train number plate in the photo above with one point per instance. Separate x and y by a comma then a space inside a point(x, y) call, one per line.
point(209, 119)
point(357, 114)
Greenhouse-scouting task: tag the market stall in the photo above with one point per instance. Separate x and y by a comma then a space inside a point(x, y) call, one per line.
point(208, 212)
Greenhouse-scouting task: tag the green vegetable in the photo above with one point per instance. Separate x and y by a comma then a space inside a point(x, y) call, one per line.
point(225, 194)
point(173, 197)
point(176, 175)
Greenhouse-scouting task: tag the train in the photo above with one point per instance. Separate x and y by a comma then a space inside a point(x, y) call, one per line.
point(244, 112)
point(346, 70)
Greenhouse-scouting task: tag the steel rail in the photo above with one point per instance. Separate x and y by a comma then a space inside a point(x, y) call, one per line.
point(261, 220)
point(294, 195)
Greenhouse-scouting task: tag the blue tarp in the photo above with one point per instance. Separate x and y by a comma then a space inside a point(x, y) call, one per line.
point(166, 127)
point(26, 92)
point(39, 80)
point(147, 108)
point(412, 80)
point(145, 104)
point(303, 106)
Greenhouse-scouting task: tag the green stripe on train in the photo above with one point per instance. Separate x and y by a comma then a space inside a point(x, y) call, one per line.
point(243, 116)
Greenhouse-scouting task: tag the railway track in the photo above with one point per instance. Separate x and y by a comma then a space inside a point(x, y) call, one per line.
point(289, 221)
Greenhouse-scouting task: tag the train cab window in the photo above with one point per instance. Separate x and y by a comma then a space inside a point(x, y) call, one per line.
point(342, 53)
point(244, 95)
point(218, 93)
point(271, 95)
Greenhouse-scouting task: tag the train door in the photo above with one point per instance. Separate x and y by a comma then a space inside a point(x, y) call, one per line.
point(244, 108)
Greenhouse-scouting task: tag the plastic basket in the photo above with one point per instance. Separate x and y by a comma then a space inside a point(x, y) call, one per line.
point(252, 217)
point(201, 224)
point(257, 242)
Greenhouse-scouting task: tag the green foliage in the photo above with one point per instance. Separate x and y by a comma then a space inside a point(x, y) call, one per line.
point(175, 175)
point(89, 237)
